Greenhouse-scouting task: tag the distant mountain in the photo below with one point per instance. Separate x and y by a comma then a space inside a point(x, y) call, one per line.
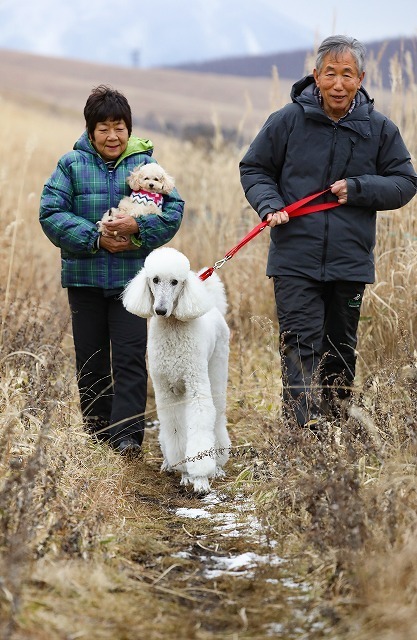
point(384, 57)
point(129, 33)
point(189, 105)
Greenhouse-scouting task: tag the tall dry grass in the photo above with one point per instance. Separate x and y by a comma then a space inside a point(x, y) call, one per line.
point(82, 536)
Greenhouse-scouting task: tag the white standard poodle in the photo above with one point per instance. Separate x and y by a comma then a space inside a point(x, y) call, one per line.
point(149, 183)
point(188, 350)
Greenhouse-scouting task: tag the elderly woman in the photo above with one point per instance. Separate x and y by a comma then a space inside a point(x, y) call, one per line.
point(110, 343)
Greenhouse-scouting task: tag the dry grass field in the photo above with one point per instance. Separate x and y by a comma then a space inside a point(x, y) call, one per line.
point(305, 538)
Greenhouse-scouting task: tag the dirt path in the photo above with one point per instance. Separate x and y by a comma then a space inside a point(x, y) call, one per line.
point(132, 555)
point(214, 566)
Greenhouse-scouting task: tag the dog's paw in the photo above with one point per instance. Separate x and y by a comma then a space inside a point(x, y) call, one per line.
point(110, 215)
point(107, 217)
point(201, 484)
point(185, 480)
point(165, 466)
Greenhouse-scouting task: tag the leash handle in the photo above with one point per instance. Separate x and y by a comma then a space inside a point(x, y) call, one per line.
point(294, 210)
point(299, 209)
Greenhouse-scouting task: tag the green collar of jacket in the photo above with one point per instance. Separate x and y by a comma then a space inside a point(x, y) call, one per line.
point(136, 145)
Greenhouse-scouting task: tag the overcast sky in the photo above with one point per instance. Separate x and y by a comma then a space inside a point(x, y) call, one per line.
point(365, 20)
point(174, 31)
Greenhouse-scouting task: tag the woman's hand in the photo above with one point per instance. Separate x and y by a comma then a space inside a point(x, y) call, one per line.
point(116, 244)
point(122, 225)
point(116, 234)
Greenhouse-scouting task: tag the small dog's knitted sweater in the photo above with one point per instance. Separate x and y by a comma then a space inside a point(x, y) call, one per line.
point(146, 197)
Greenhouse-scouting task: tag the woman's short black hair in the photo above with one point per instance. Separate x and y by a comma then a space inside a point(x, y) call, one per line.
point(105, 103)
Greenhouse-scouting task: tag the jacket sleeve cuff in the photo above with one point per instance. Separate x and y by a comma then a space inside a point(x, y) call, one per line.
point(356, 185)
point(96, 244)
point(135, 239)
point(270, 207)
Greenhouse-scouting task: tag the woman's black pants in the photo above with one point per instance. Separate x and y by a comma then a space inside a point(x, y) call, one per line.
point(110, 349)
point(318, 324)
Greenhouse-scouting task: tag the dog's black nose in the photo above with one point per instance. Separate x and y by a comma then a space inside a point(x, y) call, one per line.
point(160, 312)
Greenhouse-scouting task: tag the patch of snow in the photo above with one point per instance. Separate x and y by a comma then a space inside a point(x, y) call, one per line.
point(182, 554)
point(212, 498)
point(239, 565)
point(192, 513)
point(290, 584)
point(274, 628)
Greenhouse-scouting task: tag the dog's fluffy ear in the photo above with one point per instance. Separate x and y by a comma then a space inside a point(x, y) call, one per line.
point(137, 297)
point(168, 182)
point(193, 300)
point(133, 179)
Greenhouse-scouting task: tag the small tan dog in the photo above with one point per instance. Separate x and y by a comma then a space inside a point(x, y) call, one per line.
point(149, 183)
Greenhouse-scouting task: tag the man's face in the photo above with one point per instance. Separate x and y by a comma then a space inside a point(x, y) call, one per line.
point(338, 81)
point(110, 138)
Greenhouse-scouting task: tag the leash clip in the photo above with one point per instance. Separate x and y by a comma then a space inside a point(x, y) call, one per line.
point(220, 263)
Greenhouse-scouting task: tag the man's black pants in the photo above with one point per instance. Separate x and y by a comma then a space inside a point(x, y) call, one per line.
point(110, 349)
point(318, 324)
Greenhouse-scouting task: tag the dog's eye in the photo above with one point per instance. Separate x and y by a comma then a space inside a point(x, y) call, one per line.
point(155, 280)
point(174, 283)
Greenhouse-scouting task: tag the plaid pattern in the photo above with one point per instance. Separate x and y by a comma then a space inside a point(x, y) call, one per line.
point(75, 197)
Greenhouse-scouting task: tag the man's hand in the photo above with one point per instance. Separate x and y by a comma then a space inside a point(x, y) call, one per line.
point(339, 188)
point(279, 217)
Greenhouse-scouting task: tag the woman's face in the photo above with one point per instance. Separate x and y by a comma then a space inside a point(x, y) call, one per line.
point(110, 138)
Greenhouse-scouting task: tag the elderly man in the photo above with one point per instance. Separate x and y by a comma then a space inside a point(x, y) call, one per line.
point(329, 136)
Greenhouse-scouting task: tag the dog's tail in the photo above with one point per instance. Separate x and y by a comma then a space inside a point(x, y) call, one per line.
point(215, 289)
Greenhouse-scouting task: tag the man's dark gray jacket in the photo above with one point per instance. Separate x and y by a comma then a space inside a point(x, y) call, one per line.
point(300, 151)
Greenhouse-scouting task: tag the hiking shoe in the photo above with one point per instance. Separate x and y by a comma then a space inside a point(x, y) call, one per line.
point(129, 448)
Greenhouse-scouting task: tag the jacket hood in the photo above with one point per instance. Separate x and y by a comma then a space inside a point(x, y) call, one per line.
point(134, 145)
point(305, 87)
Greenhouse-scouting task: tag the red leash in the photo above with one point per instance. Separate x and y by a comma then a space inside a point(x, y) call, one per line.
point(295, 209)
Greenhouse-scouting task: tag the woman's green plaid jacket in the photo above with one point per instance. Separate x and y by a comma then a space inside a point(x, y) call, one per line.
point(75, 197)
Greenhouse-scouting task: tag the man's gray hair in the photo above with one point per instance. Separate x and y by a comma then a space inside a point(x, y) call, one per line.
point(337, 45)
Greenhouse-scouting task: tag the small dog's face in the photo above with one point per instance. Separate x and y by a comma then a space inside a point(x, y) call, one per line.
point(151, 177)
